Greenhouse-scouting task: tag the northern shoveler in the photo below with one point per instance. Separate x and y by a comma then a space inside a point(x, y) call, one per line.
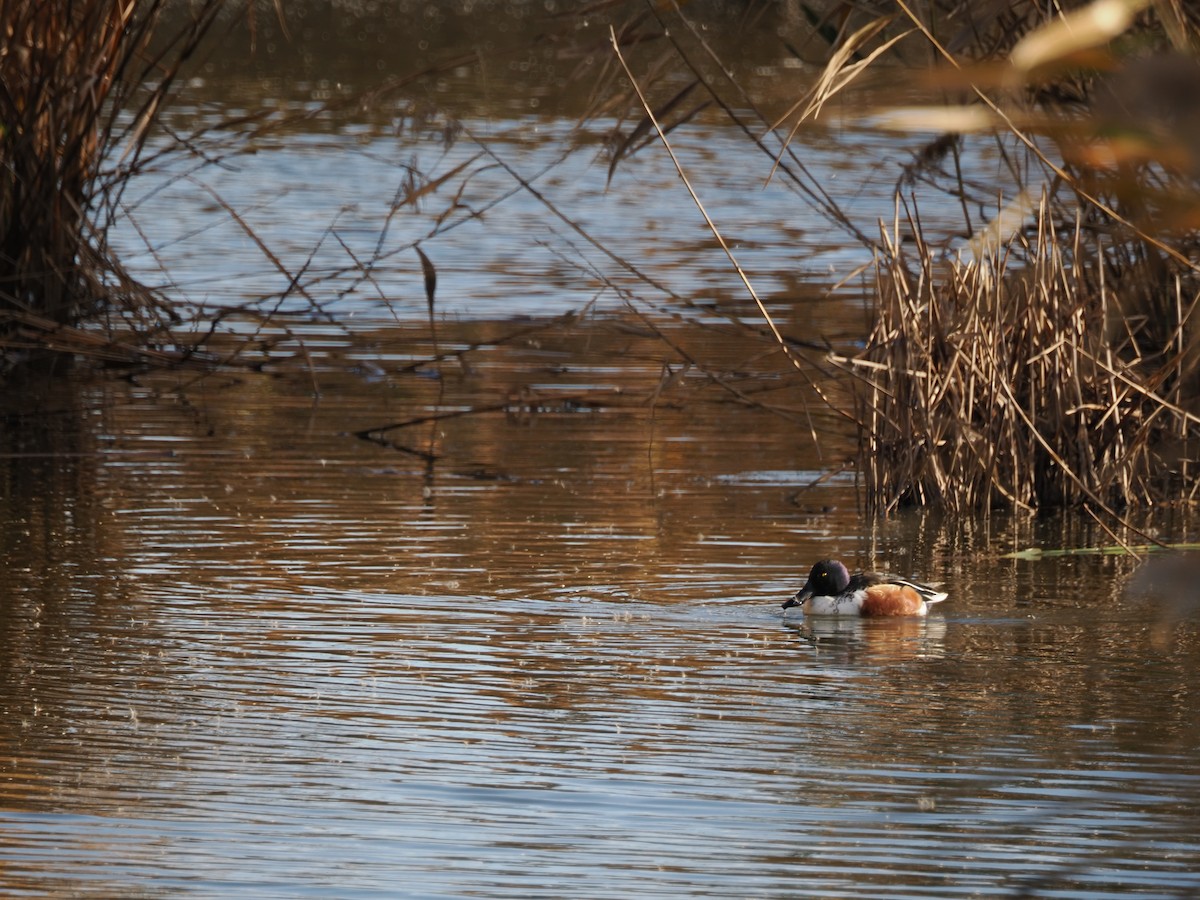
point(830, 591)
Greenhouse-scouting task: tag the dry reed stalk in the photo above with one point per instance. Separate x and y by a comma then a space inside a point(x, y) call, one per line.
point(987, 385)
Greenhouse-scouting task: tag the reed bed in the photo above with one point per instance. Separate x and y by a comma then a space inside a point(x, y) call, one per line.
point(81, 84)
point(1055, 361)
point(990, 383)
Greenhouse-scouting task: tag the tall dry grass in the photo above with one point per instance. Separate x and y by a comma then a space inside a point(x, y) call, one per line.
point(993, 382)
point(1055, 363)
point(1056, 360)
point(81, 82)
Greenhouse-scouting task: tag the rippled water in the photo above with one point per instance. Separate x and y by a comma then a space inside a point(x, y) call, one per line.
point(245, 652)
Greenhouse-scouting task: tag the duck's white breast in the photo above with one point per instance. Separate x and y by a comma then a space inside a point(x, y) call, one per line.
point(834, 606)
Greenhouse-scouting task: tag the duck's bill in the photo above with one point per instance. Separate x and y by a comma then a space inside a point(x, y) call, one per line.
point(799, 597)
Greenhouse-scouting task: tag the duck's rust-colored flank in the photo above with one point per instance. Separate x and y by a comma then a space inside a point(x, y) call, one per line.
point(892, 600)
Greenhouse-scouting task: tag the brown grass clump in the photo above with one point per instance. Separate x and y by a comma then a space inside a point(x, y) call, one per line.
point(1058, 364)
point(80, 83)
point(1057, 360)
point(987, 383)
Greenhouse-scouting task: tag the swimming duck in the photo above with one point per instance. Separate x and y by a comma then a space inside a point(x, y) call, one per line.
point(831, 591)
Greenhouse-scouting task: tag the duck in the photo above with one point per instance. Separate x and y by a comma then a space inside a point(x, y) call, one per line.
point(831, 591)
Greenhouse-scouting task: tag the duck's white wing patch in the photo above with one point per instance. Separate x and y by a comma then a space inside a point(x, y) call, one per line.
point(928, 594)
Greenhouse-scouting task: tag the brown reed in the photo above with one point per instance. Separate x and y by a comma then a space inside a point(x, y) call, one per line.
point(989, 383)
point(1057, 362)
point(81, 81)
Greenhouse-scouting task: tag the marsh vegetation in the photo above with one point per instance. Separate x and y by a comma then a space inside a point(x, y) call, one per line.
point(1040, 351)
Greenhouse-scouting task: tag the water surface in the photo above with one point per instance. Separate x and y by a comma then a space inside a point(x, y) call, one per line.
point(248, 652)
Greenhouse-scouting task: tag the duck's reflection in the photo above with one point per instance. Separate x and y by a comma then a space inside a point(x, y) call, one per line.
point(879, 639)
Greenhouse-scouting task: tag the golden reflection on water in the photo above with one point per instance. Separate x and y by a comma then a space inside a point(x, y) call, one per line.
point(247, 651)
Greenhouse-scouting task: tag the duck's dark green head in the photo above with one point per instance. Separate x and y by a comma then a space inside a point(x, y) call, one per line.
point(828, 578)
